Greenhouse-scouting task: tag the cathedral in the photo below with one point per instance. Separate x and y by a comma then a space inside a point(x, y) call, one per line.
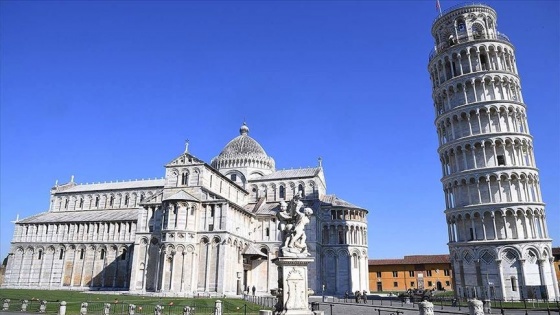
point(203, 229)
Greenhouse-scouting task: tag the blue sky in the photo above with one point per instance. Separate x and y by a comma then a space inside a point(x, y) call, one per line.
point(110, 91)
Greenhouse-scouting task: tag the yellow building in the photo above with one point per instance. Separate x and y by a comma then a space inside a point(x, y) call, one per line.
point(411, 272)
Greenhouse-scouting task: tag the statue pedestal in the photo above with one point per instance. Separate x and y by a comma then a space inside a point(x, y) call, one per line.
point(295, 296)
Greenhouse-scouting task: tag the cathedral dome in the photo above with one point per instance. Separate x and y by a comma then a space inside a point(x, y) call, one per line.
point(243, 151)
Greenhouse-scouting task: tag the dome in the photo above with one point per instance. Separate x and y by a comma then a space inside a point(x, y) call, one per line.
point(243, 151)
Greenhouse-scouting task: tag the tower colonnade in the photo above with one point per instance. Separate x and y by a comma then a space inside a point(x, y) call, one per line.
point(498, 237)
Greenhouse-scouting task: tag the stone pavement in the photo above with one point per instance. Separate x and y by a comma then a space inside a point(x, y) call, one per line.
point(408, 309)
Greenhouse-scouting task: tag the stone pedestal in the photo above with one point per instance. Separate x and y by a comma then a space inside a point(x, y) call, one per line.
point(426, 308)
point(295, 298)
point(475, 307)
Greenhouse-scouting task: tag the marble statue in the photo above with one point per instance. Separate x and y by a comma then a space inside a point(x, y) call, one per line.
point(293, 218)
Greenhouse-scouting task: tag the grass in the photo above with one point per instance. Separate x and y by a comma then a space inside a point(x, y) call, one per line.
point(119, 302)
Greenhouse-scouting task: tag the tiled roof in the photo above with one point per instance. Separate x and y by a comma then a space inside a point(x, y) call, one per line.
point(412, 260)
point(335, 201)
point(83, 216)
point(148, 183)
point(286, 174)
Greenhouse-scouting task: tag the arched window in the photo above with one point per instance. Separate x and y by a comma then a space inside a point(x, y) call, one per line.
point(97, 201)
point(81, 253)
point(111, 200)
point(282, 192)
point(61, 255)
point(267, 231)
point(185, 178)
point(123, 254)
point(300, 190)
point(102, 255)
point(40, 254)
point(81, 203)
point(126, 200)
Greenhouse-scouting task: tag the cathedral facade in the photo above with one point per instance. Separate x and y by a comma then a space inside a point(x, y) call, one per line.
point(201, 229)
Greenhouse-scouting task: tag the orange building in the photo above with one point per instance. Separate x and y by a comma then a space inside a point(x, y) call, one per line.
point(411, 272)
point(556, 254)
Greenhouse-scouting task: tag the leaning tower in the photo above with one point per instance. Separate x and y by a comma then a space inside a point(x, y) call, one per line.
point(498, 238)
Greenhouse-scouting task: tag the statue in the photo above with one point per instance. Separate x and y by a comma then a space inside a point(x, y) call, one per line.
point(106, 309)
point(131, 309)
point(293, 218)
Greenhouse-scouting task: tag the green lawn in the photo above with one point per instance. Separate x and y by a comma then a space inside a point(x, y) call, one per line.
point(119, 302)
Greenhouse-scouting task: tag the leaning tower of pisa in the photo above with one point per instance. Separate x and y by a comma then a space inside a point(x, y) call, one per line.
point(498, 237)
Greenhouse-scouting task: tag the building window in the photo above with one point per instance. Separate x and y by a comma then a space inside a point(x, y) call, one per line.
point(267, 232)
point(97, 201)
point(395, 274)
point(212, 212)
point(379, 274)
point(446, 272)
point(429, 273)
point(40, 255)
point(340, 237)
point(210, 227)
point(501, 160)
point(412, 284)
point(282, 192)
point(102, 256)
point(126, 200)
point(81, 203)
point(447, 283)
point(411, 273)
point(395, 284)
point(300, 190)
point(234, 177)
point(333, 214)
point(185, 178)
point(123, 254)
point(430, 283)
point(111, 200)
point(66, 204)
point(82, 253)
point(513, 284)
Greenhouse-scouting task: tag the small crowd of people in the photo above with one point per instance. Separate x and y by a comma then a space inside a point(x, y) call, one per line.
point(358, 296)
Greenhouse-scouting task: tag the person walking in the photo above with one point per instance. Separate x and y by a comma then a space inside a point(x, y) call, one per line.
point(254, 289)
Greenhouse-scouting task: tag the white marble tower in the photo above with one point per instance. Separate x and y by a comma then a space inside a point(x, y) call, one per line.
point(498, 237)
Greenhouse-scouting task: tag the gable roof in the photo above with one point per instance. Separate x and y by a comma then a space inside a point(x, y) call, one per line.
point(182, 195)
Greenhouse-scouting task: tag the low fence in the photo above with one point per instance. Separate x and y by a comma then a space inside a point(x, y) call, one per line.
point(266, 301)
point(103, 308)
